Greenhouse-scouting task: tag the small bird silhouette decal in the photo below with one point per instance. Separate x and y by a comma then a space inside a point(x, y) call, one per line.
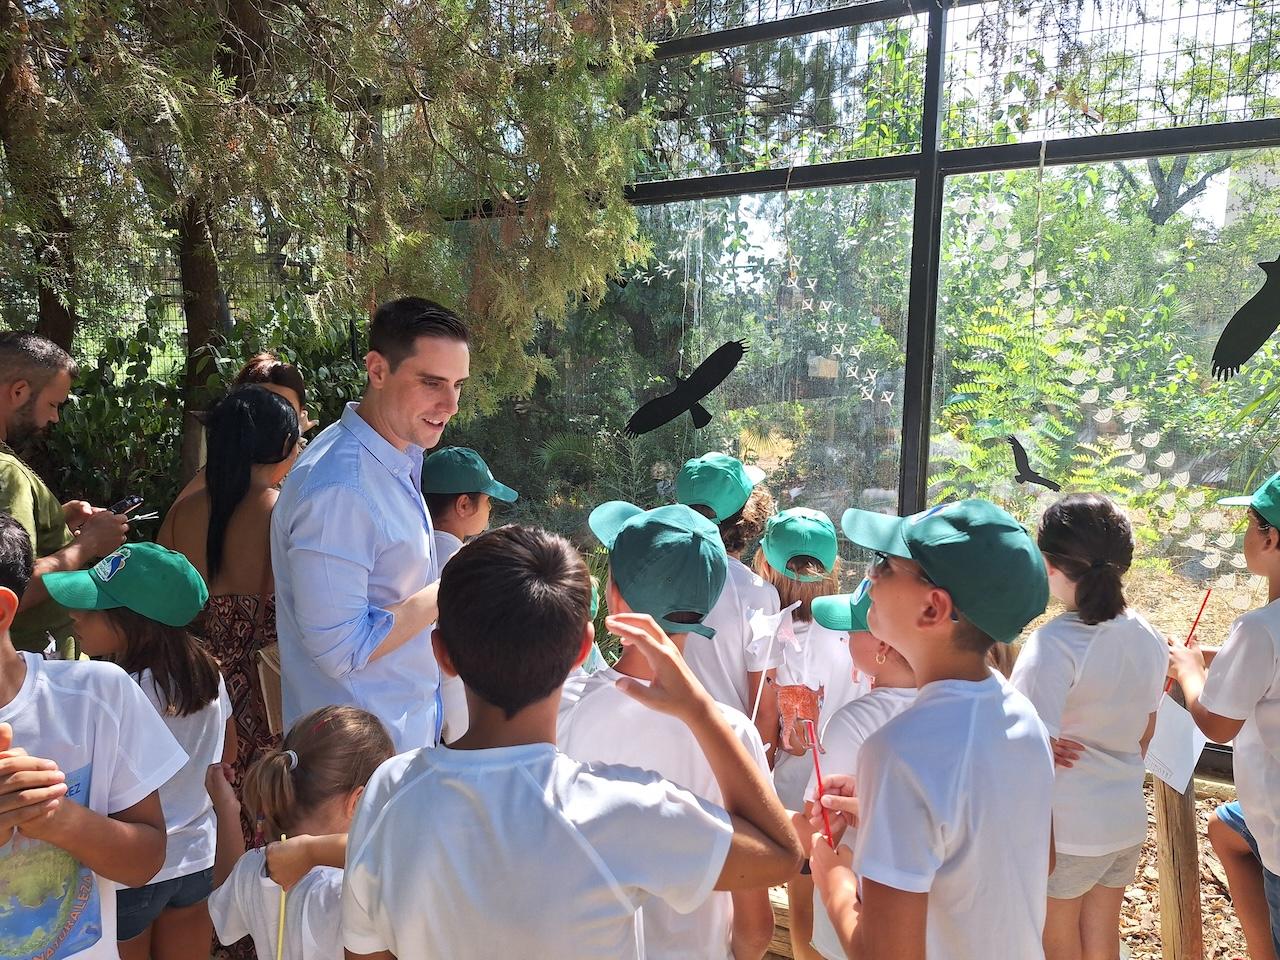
point(689, 392)
point(1250, 328)
point(1025, 474)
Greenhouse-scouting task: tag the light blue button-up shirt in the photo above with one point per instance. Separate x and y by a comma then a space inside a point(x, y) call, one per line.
point(350, 537)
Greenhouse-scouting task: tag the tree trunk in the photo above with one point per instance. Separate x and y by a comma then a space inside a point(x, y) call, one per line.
point(202, 304)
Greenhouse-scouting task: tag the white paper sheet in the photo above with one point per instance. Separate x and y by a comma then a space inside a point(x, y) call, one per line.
point(1175, 748)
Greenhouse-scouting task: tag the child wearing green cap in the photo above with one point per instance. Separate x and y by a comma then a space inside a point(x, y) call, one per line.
point(133, 608)
point(667, 563)
point(83, 757)
point(1238, 699)
point(458, 488)
point(955, 792)
point(744, 654)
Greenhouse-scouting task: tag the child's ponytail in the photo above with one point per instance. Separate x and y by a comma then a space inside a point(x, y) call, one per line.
point(328, 753)
point(1088, 538)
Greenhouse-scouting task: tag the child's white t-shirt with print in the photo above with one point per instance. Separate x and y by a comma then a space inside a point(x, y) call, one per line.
point(722, 662)
point(545, 857)
point(248, 904)
point(842, 739)
point(188, 811)
point(956, 795)
point(94, 722)
point(600, 724)
point(1097, 685)
point(1244, 684)
point(820, 660)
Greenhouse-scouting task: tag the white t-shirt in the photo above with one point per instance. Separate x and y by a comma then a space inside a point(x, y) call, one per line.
point(956, 796)
point(723, 662)
point(842, 738)
point(188, 811)
point(248, 903)
point(1097, 685)
point(93, 721)
point(453, 696)
point(1244, 684)
point(546, 857)
point(820, 660)
point(601, 724)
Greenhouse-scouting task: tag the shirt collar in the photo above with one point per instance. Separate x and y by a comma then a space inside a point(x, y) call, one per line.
point(397, 463)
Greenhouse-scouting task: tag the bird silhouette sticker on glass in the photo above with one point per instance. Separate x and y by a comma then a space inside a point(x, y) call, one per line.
point(1025, 474)
point(1250, 328)
point(689, 392)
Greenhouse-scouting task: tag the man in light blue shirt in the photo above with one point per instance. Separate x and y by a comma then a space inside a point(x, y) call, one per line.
point(351, 536)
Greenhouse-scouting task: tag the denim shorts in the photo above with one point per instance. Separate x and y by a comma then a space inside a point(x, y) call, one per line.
point(138, 907)
point(1233, 817)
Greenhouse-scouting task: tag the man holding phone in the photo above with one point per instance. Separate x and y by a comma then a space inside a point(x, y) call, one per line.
point(35, 381)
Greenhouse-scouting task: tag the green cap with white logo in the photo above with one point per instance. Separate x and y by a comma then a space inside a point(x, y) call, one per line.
point(461, 470)
point(718, 482)
point(143, 577)
point(668, 560)
point(800, 532)
point(844, 611)
point(972, 549)
point(1266, 500)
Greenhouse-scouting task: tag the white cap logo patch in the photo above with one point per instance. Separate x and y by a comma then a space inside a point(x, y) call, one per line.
point(110, 565)
point(926, 514)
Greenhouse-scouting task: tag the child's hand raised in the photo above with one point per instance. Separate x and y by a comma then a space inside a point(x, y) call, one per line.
point(288, 861)
point(674, 689)
point(217, 782)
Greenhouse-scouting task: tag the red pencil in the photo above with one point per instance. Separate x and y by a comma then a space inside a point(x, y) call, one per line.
point(1168, 685)
point(826, 820)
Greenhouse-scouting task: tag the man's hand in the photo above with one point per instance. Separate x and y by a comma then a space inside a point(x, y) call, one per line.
point(102, 532)
point(76, 512)
point(674, 688)
point(31, 788)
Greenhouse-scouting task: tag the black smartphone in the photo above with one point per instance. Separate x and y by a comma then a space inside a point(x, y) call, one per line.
point(127, 504)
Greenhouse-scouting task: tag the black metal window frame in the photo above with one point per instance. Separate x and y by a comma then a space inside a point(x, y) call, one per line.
point(930, 169)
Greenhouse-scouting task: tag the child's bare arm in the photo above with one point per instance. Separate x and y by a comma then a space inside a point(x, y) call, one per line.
point(380, 955)
point(768, 717)
point(229, 846)
point(752, 924)
point(127, 847)
point(1186, 665)
point(288, 861)
point(891, 923)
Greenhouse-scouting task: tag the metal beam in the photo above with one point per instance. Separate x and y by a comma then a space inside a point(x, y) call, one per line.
point(873, 170)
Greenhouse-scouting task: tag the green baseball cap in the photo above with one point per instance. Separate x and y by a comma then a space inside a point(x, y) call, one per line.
point(144, 577)
point(800, 532)
point(663, 561)
point(461, 470)
point(844, 611)
point(717, 481)
point(972, 549)
point(1266, 500)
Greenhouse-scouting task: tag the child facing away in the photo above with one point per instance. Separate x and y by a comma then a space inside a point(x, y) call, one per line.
point(955, 793)
point(893, 689)
point(733, 666)
point(133, 609)
point(458, 488)
point(498, 845)
point(83, 756)
point(668, 563)
point(306, 790)
point(1238, 698)
point(1095, 675)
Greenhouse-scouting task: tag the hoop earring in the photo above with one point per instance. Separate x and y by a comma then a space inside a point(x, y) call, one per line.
point(880, 658)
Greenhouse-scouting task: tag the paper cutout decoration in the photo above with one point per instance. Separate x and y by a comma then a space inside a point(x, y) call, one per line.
point(1251, 326)
point(1025, 474)
point(688, 392)
point(798, 703)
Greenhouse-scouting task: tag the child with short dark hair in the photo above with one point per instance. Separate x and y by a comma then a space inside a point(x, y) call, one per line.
point(955, 792)
point(83, 755)
point(133, 609)
point(1095, 675)
point(545, 856)
point(307, 790)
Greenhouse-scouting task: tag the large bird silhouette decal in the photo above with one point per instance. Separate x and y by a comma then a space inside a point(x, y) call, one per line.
point(1250, 327)
point(1025, 474)
point(689, 392)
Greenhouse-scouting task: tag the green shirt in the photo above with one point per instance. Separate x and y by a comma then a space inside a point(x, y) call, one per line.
point(24, 496)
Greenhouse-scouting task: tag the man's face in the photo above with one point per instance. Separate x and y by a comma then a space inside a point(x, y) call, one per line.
point(421, 395)
point(40, 410)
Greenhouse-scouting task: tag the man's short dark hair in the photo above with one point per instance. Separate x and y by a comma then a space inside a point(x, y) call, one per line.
point(31, 357)
point(513, 606)
point(397, 325)
point(16, 558)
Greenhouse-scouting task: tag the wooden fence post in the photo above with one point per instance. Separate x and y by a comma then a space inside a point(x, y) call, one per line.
point(1178, 863)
